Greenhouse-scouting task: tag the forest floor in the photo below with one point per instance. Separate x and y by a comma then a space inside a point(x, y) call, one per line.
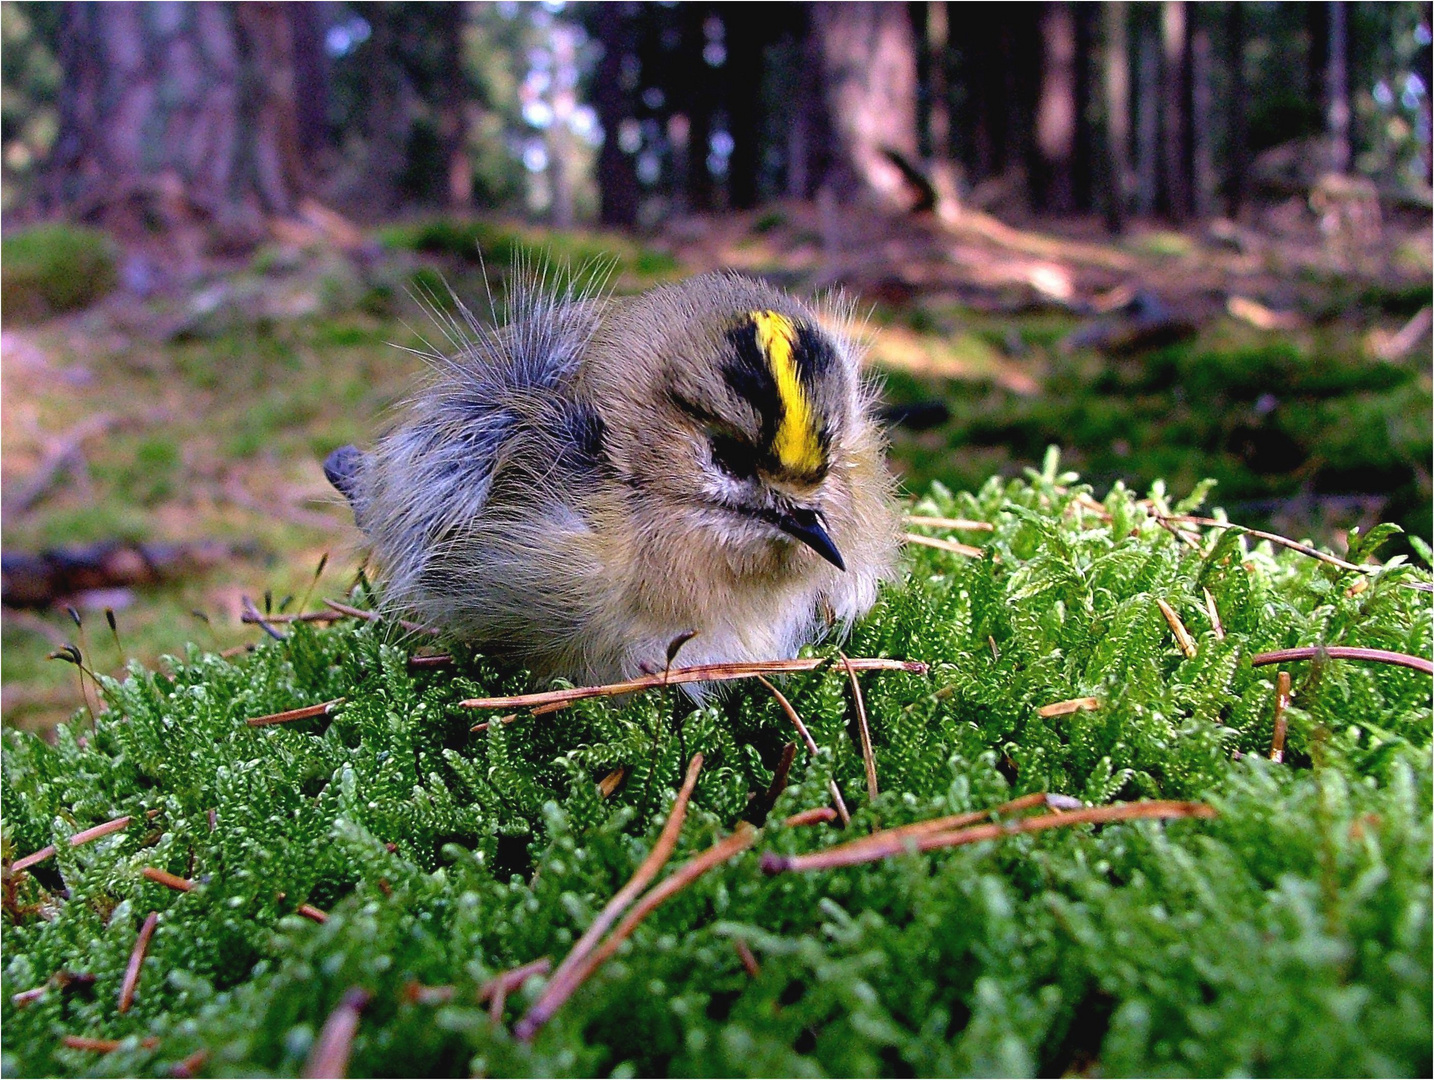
point(1289, 363)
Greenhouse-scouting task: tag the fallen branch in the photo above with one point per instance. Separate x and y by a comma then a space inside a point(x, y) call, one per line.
point(678, 676)
point(168, 880)
point(323, 708)
point(945, 545)
point(330, 1055)
point(1065, 708)
point(496, 990)
point(1344, 652)
point(868, 756)
point(373, 616)
point(102, 1046)
point(950, 523)
point(811, 747)
point(136, 962)
point(1182, 636)
point(569, 974)
point(893, 843)
point(1282, 702)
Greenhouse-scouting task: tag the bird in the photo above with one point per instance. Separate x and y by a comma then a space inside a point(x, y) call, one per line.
point(592, 480)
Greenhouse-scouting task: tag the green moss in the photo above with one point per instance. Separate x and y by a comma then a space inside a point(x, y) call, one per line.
point(51, 269)
point(1289, 935)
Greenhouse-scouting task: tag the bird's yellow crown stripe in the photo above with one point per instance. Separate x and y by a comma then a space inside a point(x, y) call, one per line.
point(795, 444)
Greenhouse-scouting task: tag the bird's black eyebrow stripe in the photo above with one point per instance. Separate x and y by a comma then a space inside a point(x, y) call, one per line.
point(813, 354)
point(750, 377)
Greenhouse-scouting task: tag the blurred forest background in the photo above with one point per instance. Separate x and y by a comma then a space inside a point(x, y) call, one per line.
point(1178, 240)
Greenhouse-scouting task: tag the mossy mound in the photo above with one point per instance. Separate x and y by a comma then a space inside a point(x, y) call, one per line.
point(1290, 934)
point(50, 269)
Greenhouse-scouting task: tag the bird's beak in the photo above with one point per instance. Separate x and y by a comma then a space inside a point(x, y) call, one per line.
point(806, 525)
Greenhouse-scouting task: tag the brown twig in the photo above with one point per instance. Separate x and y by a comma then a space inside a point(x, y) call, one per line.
point(810, 817)
point(806, 735)
point(1274, 538)
point(501, 720)
point(969, 550)
point(252, 617)
point(1344, 652)
point(741, 838)
point(373, 616)
point(1182, 636)
point(496, 990)
point(568, 976)
point(744, 953)
point(431, 660)
point(190, 1066)
point(762, 804)
point(136, 961)
point(330, 1055)
point(1214, 613)
point(608, 784)
point(1282, 702)
point(323, 708)
point(868, 851)
point(94, 832)
point(950, 523)
point(308, 911)
point(32, 859)
point(1065, 708)
point(168, 880)
point(102, 1046)
point(868, 755)
point(696, 673)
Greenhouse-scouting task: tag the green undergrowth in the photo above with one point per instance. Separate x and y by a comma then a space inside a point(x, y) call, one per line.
point(1289, 935)
point(50, 269)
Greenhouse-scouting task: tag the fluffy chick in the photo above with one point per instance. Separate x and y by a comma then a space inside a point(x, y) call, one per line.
point(582, 485)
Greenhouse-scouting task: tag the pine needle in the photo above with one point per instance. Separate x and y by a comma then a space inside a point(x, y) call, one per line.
point(1282, 723)
point(136, 962)
point(330, 1054)
point(1344, 652)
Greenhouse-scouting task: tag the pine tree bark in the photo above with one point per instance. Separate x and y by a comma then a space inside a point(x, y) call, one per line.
point(1054, 184)
point(868, 53)
point(182, 111)
point(1116, 65)
point(1175, 41)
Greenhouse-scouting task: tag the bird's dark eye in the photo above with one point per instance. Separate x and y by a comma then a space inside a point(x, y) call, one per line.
point(734, 457)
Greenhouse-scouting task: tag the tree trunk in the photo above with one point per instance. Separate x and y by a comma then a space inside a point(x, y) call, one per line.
point(1054, 185)
point(182, 111)
point(1237, 179)
point(616, 174)
point(1201, 117)
point(1175, 41)
point(1337, 87)
point(938, 56)
point(1117, 116)
point(746, 35)
point(868, 56)
point(311, 78)
point(1147, 123)
point(452, 108)
point(696, 98)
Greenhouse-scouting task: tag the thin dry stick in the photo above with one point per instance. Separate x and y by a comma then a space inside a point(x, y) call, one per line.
point(762, 804)
point(33, 858)
point(496, 990)
point(810, 817)
point(308, 911)
point(168, 880)
point(430, 660)
point(1274, 538)
point(102, 1046)
point(1182, 636)
point(1282, 723)
point(501, 720)
point(1214, 613)
point(740, 840)
point(94, 832)
point(567, 978)
point(1344, 652)
point(191, 1065)
point(946, 545)
point(868, 756)
point(697, 673)
point(744, 953)
point(943, 824)
point(25, 997)
point(373, 616)
point(1065, 708)
point(806, 735)
point(249, 616)
point(609, 783)
point(323, 708)
point(330, 1055)
point(950, 523)
point(136, 961)
point(866, 851)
